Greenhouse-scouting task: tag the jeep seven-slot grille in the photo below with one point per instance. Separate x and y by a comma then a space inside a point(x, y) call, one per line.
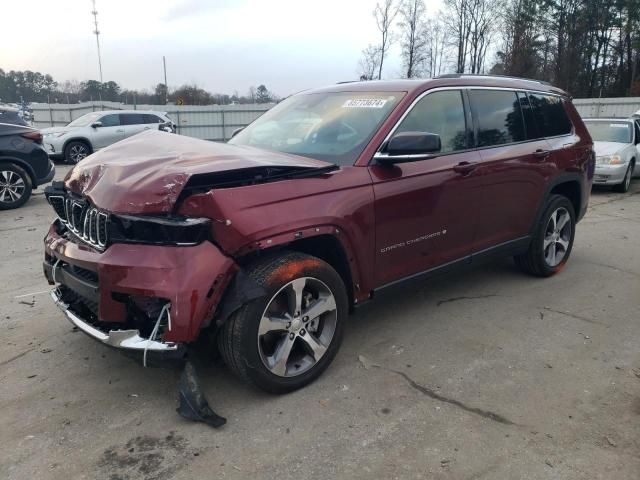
point(85, 221)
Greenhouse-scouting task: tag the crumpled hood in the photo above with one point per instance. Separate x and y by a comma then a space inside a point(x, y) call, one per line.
point(607, 148)
point(146, 173)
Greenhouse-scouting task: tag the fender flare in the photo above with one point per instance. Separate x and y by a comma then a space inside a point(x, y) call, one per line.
point(567, 177)
point(22, 164)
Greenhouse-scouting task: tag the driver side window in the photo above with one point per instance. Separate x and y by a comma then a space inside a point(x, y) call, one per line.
point(441, 113)
point(111, 120)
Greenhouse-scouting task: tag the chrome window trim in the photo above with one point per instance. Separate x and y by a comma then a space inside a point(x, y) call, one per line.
point(381, 155)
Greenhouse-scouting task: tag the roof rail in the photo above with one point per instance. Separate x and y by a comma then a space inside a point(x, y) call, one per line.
point(460, 75)
point(348, 81)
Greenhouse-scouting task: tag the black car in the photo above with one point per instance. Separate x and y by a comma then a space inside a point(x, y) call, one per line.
point(24, 164)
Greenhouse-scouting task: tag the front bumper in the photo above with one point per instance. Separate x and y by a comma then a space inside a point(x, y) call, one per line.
point(127, 340)
point(609, 174)
point(105, 287)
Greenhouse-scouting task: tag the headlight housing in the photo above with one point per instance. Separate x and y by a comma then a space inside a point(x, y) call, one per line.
point(181, 231)
point(609, 160)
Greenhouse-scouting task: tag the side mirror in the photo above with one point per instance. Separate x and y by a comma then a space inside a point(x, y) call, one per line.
point(413, 143)
point(96, 124)
point(236, 131)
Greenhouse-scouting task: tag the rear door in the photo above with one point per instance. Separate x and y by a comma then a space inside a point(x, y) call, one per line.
point(110, 132)
point(133, 123)
point(425, 208)
point(513, 168)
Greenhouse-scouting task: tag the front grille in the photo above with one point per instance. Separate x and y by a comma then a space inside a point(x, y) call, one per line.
point(85, 221)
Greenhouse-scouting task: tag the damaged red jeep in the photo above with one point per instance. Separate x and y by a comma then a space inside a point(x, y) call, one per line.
point(267, 242)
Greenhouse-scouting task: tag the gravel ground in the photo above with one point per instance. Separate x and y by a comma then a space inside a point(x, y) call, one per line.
point(487, 374)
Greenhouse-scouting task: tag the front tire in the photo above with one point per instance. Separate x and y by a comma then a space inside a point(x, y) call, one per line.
point(15, 186)
point(76, 151)
point(286, 339)
point(552, 240)
point(626, 182)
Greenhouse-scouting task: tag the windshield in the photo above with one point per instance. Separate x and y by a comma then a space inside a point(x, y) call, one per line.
point(334, 127)
point(85, 120)
point(619, 132)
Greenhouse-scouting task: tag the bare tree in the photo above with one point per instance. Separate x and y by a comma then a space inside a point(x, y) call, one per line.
point(437, 46)
point(384, 14)
point(459, 21)
point(413, 36)
point(369, 62)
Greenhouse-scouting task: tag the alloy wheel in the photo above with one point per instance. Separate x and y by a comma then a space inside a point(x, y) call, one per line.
point(78, 152)
point(297, 327)
point(557, 237)
point(12, 186)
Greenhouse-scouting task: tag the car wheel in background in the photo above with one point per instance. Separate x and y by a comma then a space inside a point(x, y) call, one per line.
point(15, 186)
point(552, 239)
point(75, 151)
point(287, 338)
point(626, 183)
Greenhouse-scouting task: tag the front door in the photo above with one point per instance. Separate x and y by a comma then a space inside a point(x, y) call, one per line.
point(425, 209)
point(110, 132)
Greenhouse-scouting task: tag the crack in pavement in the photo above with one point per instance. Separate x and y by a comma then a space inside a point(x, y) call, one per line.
point(456, 299)
point(628, 272)
point(436, 396)
point(578, 317)
point(9, 360)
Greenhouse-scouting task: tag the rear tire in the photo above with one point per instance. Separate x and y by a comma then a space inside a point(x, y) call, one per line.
point(626, 182)
point(15, 186)
point(286, 339)
point(552, 240)
point(76, 151)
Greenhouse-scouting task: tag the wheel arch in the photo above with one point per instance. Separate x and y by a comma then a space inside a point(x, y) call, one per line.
point(568, 185)
point(22, 164)
point(77, 139)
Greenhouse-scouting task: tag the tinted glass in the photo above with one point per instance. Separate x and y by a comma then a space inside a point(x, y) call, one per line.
point(149, 118)
point(620, 132)
point(549, 114)
point(12, 118)
point(498, 115)
point(333, 126)
point(131, 119)
point(441, 113)
point(112, 120)
point(530, 125)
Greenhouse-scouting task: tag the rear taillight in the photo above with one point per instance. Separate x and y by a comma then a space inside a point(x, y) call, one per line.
point(35, 136)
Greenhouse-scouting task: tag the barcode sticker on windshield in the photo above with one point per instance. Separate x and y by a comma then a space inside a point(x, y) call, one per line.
point(364, 103)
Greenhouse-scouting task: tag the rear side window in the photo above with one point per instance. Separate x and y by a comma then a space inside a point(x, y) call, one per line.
point(150, 118)
point(131, 119)
point(531, 128)
point(112, 120)
point(441, 113)
point(498, 115)
point(549, 114)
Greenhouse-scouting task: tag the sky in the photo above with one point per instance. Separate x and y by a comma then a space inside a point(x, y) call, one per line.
point(220, 45)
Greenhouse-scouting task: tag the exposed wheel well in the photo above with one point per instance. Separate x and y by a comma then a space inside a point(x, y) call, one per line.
point(325, 247)
point(571, 190)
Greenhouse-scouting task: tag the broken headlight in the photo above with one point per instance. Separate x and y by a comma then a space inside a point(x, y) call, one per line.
point(159, 230)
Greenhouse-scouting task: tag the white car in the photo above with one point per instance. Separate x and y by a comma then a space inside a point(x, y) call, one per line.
point(616, 142)
point(96, 130)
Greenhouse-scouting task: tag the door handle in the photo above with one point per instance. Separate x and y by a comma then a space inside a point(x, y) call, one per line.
point(464, 168)
point(541, 154)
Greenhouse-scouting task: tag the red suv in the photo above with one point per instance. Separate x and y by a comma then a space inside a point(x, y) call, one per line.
point(270, 240)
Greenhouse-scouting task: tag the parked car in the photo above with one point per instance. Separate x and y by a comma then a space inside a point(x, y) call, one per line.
point(97, 130)
point(616, 142)
point(24, 164)
point(9, 115)
point(332, 196)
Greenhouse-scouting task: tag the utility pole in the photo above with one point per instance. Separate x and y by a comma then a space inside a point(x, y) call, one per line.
point(166, 87)
point(97, 34)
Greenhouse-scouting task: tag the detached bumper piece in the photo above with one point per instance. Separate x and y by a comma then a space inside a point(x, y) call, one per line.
point(192, 403)
point(129, 342)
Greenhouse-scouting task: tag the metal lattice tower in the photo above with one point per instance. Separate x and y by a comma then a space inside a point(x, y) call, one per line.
point(97, 34)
